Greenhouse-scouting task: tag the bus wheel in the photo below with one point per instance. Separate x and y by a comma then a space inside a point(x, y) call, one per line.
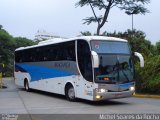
point(26, 86)
point(70, 93)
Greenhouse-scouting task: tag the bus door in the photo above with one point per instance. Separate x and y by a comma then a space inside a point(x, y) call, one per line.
point(79, 86)
point(85, 68)
point(84, 88)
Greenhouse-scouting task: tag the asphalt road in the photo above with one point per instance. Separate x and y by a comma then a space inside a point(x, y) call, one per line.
point(14, 100)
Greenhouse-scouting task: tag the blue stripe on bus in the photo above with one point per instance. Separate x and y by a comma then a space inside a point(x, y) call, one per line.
point(126, 84)
point(40, 72)
point(18, 68)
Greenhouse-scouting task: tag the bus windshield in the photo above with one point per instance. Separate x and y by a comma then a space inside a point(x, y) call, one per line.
point(116, 65)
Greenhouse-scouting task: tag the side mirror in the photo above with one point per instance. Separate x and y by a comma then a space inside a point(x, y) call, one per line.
point(95, 59)
point(139, 55)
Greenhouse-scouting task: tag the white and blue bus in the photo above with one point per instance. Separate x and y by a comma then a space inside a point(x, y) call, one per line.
point(89, 67)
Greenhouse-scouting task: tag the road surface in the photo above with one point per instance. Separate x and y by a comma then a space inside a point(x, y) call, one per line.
point(14, 100)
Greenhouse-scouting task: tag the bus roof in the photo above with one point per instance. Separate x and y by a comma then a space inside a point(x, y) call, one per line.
point(61, 40)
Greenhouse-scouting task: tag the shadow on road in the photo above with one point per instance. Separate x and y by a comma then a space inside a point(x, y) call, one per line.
point(103, 103)
point(45, 93)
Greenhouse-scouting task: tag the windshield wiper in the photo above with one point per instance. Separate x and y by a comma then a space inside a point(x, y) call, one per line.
point(120, 67)
point(123, 66)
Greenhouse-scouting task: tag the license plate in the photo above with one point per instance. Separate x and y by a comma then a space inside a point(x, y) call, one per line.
point(117, 95)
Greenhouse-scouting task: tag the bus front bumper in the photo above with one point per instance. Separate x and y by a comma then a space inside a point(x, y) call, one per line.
point(112, 95)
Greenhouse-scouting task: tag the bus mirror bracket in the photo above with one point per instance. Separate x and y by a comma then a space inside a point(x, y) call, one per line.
point(139, 55)
point(95, 59)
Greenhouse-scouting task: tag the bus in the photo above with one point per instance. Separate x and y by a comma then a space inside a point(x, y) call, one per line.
point(94, 68)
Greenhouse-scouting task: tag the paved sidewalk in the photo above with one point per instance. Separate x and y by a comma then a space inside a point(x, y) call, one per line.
point(10, 101)
point(9, 84)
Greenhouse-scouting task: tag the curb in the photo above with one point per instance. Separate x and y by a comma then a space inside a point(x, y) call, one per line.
point(7, 78)
point(146, 96)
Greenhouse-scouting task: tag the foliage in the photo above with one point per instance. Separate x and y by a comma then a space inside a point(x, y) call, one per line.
point(23, 42)
point(86, 33)
point(5, 49)
point(130, 7)
point(7, 46)
point(149, 77)
point(157, 48)
point(1, 27)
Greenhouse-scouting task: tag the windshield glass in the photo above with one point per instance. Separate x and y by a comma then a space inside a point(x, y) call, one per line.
point(115, 62)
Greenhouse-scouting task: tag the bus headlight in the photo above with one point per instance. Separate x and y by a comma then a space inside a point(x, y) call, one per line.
point(132, 88)
point(101, 90)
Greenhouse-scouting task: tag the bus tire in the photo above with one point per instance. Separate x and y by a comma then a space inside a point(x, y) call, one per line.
point(70, 93)
point(26, 85)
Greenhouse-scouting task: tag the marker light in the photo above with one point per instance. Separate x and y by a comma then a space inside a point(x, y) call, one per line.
point(106, 78)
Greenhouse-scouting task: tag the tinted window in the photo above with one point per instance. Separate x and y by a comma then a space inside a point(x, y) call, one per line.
point(55, 52)
point(84, 60)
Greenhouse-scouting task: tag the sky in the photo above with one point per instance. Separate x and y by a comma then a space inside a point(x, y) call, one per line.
point(60, 17)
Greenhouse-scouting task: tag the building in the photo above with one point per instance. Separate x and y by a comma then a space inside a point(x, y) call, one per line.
point(43, 35)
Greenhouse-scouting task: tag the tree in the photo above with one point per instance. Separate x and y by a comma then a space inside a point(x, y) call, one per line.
point(149, 77)
point(86, 33)
point(7, 46)
point(129, 7)
point(158, 47)
point(1, 27)
point(22, 42)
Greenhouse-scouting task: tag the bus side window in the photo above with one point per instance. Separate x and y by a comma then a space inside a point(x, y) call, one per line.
point(84, 60)
point(70, 51)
